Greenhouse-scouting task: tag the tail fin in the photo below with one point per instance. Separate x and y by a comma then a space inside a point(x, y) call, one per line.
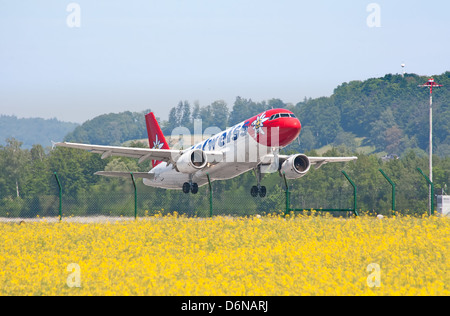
point(156, 139)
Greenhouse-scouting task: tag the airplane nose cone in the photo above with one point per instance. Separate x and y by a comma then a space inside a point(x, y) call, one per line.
point(281, 132)
point(278, 132)
point(289, 131)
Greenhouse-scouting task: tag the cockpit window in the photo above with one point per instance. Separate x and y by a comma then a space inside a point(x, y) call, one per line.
point(277, 116)
point(274, 117)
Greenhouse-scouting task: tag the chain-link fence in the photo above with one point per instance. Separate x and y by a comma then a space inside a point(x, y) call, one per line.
point(119, 198)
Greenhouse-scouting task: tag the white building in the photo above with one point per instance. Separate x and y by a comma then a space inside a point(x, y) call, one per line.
point(443, 204)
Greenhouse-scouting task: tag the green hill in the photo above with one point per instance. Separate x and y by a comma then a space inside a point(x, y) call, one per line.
point(111, 129)
point(31, 131)
point(387, 115)
point(391, 113)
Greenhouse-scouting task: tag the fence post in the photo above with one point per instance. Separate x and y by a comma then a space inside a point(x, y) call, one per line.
point(393, 188)
point(432, 191)
point(354, 192)
point(135, 195)
point(60, 196)
point(288, 202)
point(210, 197)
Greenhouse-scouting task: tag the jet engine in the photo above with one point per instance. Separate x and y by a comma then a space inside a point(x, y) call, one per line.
point(295, 166)
point(192, 161)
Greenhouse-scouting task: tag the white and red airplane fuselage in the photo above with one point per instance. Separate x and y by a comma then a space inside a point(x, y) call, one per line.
point(244, 147)
point(253, 144)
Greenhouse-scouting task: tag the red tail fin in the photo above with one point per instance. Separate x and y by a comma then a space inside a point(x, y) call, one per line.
point(156, 139)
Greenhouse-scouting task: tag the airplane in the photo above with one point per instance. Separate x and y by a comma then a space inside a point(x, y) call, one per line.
point(253, 144)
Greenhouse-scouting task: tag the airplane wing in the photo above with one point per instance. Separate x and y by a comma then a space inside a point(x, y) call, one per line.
point(116, 174)
point(320, 161)
point(143, 154)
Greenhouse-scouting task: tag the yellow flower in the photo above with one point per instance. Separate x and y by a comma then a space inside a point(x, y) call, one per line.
point(272, 255)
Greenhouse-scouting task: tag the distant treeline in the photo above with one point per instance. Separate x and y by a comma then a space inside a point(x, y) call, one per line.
point(31, 131)
point(28, 187)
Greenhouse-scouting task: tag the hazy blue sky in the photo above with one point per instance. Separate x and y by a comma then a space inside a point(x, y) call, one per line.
point(133, 55)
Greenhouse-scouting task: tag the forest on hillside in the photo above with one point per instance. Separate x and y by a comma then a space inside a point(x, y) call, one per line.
point(32, 131)
point(389, 114)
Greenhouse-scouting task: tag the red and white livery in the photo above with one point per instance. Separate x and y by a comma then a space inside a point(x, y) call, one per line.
point(253, 144)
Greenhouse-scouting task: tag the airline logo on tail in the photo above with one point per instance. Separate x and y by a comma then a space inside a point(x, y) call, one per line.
point(156, 139)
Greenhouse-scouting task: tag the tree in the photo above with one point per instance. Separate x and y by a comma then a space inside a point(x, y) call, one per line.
point(173, 121)
point(393, 137)
point(196, 111)
point(307, 139)
point(346, 139)
point(186, 115)
point(15, 161)
point(276, 104)
point(37, 153)
point(219, 113)
point(379, 127)
point(75, 168)
point(206, 117)
point(323, 117)
point(242, 110)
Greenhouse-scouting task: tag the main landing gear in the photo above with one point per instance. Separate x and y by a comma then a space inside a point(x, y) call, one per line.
point(258, 189)
point(255, 191)
point(190, 187)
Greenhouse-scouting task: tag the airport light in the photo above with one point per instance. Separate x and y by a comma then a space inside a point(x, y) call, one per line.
point(431, 84)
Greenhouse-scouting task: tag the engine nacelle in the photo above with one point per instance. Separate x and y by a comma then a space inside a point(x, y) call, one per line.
point(295, 166)
point(192, 161)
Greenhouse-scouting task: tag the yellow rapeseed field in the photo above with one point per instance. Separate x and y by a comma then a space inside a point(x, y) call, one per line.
point(272, 255)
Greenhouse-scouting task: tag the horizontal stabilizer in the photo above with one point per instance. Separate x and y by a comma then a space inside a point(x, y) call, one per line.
point(116, 174)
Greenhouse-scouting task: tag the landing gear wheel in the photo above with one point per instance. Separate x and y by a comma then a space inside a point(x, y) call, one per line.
point(258, 189)
point(194, 188)
point(254, 191)
point(186, 187)
point(262, 192)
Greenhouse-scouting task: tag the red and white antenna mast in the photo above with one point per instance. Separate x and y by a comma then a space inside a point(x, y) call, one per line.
point(431, 84)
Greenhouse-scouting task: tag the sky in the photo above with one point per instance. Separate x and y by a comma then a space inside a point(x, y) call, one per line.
point(74, 60)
